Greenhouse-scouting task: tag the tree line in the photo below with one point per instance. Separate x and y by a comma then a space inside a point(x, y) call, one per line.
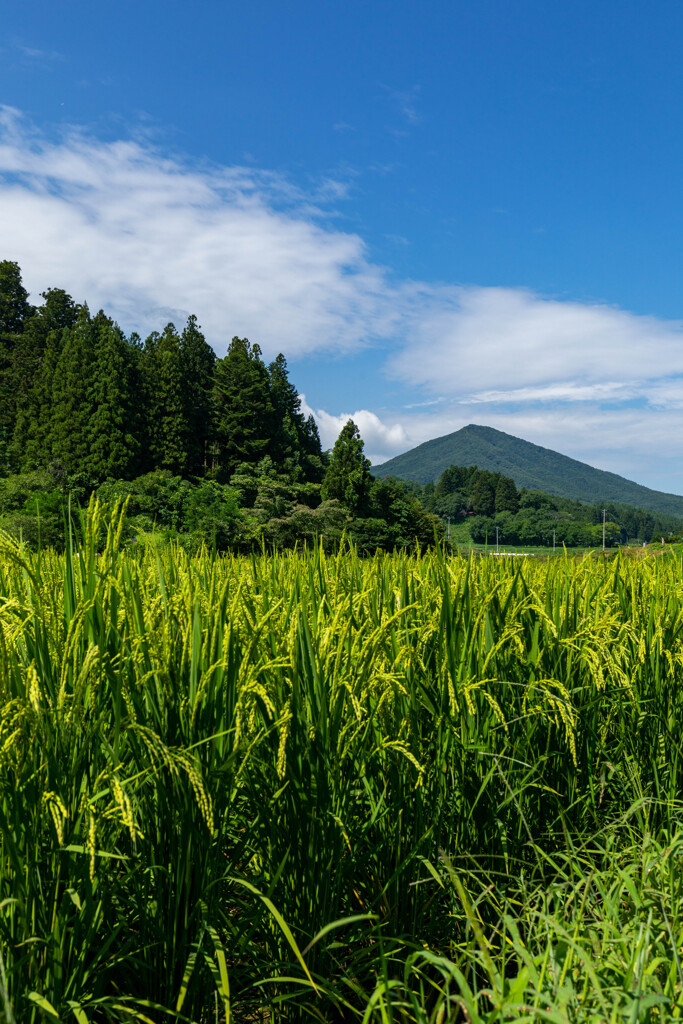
point(78, 394)
point(203, 447)
point(489, 501)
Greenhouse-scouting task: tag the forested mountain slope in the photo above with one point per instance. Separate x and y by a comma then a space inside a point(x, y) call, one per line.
point(528, 464)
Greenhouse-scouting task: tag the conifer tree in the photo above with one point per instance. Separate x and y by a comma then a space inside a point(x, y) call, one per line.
point(242, 407)
point(284, 395)
point(167, 425)
point(289, 426)
point(147, 368)
point(348, 475)
point(483, 494)
point(315, 460)
point(198, 361)
point(296, 442)
point(36, 444)
point(313, 444)
point(114, 438)
point(34, 392)
point(72, 400)
point(507, 498)
point(15, 310)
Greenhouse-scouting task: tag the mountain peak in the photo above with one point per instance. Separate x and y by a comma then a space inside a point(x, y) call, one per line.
point(529, 465)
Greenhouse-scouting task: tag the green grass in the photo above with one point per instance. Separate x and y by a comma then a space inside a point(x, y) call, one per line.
point(295, 786)
point(460, 540)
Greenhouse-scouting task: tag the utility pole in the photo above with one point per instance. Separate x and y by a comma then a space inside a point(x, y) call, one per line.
point(604, 513)
point(553, 542)
point(496, 540)
point(448, 520)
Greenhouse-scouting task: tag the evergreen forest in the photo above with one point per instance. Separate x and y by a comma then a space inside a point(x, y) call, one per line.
point(204, 448)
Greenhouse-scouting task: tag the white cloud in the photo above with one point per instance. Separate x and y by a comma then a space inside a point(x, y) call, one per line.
point(381, 440)
point(503, 344)
point(640, 444)
point(148, 238)
point(152, 238)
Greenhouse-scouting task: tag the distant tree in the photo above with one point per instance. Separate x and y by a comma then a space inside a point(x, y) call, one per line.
point(198, 362)
point(541, 500)
point(456, 504)
point(348, 476)
point(212, 514)
point(483, 494)
point(243, 408)
point(506, 499)
point(455, 478)
point(403, 515)
point(428, 494)
point(313, 436)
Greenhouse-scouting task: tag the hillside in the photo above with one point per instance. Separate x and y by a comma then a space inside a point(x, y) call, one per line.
point(528, 464)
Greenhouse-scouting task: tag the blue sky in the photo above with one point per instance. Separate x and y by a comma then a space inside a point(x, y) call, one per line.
point(442, 212)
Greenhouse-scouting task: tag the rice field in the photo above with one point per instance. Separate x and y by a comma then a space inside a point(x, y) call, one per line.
point(313, 787)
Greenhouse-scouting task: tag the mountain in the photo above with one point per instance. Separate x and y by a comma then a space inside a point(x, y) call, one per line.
point(528, 464)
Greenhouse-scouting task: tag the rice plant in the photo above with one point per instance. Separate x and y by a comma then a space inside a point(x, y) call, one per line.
point(308, 786)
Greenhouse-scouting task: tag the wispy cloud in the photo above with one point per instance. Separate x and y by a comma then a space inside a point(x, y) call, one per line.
point(34, 54)
point(145, 235)
point(502, 344)
point(151, 237)
point(423, 405)
point(405, 102)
